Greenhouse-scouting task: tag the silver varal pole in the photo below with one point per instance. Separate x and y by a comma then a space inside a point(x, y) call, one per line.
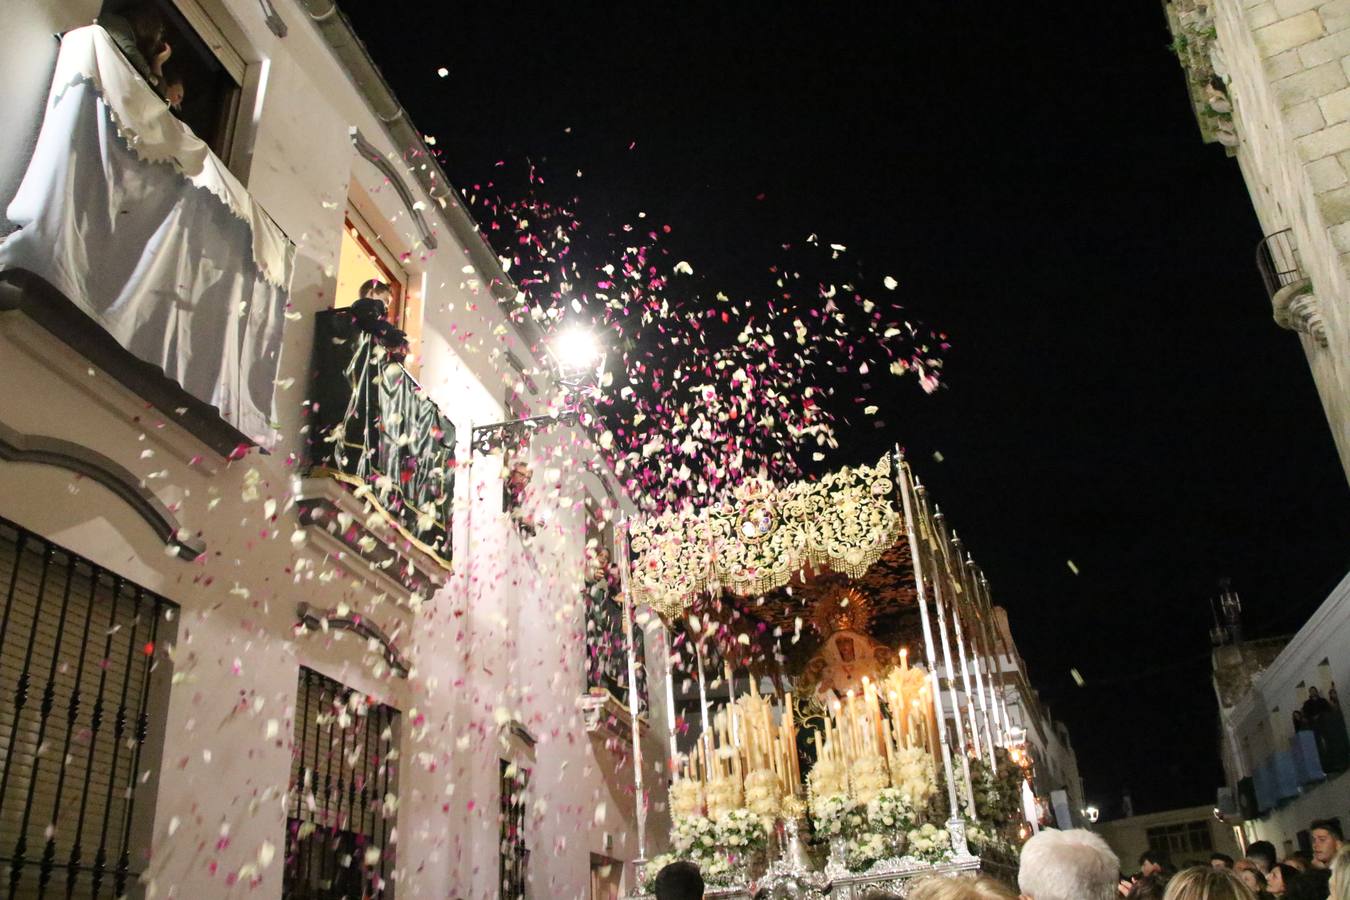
point(993, 665)
point(955, 825)
point(952, 600)
point(705, 735)
point(667, 649)
point(639, 794)
point(1002, 694)
point(981, 700)
point(951, 683)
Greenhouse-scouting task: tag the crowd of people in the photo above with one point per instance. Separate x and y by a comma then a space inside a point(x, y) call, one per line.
point(1078, 865)
point(1301, 875)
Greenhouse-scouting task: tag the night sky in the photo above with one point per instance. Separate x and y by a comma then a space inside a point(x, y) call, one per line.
point(1116, 394)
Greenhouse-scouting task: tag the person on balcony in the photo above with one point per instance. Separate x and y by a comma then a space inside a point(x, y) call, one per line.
point(172, 87)
point(371, 309)
point(139, 33)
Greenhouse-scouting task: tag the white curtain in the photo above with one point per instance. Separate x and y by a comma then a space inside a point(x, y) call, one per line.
point(133, 219)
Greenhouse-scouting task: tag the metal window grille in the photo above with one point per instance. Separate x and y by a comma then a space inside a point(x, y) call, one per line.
point(514, 855)
point(83, 689)
point(344, 779)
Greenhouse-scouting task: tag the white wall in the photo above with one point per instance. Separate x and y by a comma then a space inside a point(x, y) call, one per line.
point(1261, 720)
point(505, 634)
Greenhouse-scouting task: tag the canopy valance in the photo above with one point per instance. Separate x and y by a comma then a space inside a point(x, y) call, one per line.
point(758, 542)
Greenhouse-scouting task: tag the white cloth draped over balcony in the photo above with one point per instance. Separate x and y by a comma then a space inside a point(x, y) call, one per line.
point(133, 218)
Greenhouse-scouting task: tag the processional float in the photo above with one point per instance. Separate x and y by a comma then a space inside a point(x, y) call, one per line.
point(810, 595)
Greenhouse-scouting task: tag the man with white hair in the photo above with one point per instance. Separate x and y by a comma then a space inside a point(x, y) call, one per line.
point(1068, 865)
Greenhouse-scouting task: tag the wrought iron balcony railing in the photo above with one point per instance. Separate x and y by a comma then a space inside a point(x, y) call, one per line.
point(378, 432)
point(1295, 305)
point(1277, 261)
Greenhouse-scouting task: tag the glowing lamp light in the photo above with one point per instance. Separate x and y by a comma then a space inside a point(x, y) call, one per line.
point(1093, 814)
point(576, 350)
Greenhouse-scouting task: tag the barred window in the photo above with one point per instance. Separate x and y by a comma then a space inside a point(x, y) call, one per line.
point(343, 794)
point(83, 690)
point(514, 855)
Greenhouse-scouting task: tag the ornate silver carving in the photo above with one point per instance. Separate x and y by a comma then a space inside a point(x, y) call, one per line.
point(956, 828)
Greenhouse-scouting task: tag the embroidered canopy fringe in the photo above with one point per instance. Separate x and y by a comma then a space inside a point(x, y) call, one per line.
point(759, 542)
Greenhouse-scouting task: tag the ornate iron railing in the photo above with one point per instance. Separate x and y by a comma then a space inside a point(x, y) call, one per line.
point(1277, 261)
point(513, 855)
point(83, 680)
point(607, 648)
point(377, 431)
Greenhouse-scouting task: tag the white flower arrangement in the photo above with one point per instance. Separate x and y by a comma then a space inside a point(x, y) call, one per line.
point(717, 870)
point(741, 832)
point(913, 773)
point(929, 843)
point(686, 798)
point(693, 837)
point(723, 795)
point(890, 811)
point(863, 850)
point(761, 793)
point(828, 777)
point(835, 815)
point(868, 776)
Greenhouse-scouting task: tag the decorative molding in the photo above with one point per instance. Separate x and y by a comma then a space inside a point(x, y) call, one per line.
point(48, 451)
point(26, 299)
point(378, 160)
point(275, 23)
point(1196, 45)
point(519, 730)
point(1297, 309)
point(357, 624)
point(603, 715)
point(343, 526)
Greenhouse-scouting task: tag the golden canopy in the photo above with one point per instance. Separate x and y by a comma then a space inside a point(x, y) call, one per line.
point(756, 544)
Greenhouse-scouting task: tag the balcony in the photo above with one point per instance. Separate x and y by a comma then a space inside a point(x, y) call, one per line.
point(1289, 288)
point(140, 251)
point(604, 705)
point(1312, 756)
point(382, 458)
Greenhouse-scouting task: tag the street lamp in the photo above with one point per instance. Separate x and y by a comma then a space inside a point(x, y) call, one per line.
point(579, 359)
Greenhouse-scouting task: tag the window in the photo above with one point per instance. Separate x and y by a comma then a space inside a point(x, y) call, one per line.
point(514, 856)
point(85, 684)
point(363, 256)
point(210, 69)
point(344, 781)
point(1183, 839)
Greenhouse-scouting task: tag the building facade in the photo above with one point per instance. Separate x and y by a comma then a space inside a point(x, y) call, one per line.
point(1269, 82)
point(280, 616)
point(1059, 787)
point(1185, 836)
point(1282, 738)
